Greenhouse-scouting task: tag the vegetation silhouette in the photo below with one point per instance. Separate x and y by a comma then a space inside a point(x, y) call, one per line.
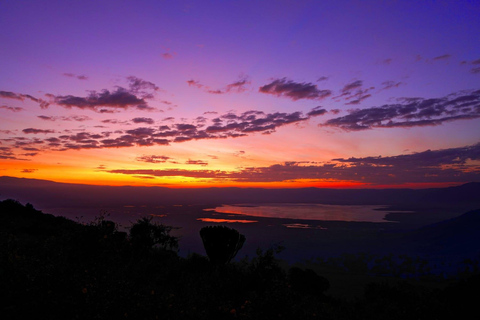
point(307, 281)
point(61, 269)
point(146, 235)
point(221, 243)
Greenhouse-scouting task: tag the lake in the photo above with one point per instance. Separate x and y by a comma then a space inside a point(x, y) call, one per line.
point(309, 211)
point(306, 230)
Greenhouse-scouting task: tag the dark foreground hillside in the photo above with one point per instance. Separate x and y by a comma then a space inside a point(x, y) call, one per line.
point(59, 269)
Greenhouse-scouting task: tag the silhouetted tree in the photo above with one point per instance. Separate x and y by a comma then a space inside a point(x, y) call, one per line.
point(146, 235)
point(221, 243)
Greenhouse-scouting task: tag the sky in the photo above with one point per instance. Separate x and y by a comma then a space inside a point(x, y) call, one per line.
point(273, 94)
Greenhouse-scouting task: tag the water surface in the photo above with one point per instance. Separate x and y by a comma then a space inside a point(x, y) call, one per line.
point(323, 212)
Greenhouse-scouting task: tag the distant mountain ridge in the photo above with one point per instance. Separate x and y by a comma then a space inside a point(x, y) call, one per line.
point(44, 193)
point(454, 236)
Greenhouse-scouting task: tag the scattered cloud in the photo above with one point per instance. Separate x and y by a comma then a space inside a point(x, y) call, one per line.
point(72, 75)
point(145, 89)
point(194, 83)
point(236, 86)
point(155, 159)
point(197, 162)
point(21, 97)
point(79, 118)
point(443, 57)
point(13, 109)
point(447, 165)
point(29, 170)
point(412, 112)
point(475, 70)
point(36, 131)
point(143, 120)
point(107, 101)
point(391, 84)
point(168, 55)
point(354, 93)
point(120, 98)
point(294, 90)
point(228, 125)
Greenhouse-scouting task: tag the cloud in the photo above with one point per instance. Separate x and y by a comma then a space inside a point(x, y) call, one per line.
point(13, 109)
point(79, 118)
point(145, 89)
point(168, 55)
point(143, 120)
point(228, 125)
point(107, 101)
point(155, 159)
point(354, 93)
point(29, 170)
point(72, 75)
point(236, 86)
point(36, 131)
point(194, 83)
point(391, 84)
point(120, 98)
point(443, 57)
point(217, 174)
point(7, 153)
point(317, 111)
point(475, 70)
point(21, 97)
point(294, 90)
point(412, 112)
point(446, 165)
point(197, 162)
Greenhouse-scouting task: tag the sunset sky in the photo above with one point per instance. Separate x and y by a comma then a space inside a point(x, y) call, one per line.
point(241, 93)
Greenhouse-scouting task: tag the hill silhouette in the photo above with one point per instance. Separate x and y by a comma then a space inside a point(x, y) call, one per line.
point(64, 270)
point(44, 193)
point(456, 236)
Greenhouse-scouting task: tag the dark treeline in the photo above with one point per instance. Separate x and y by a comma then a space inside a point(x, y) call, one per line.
point(60, 269)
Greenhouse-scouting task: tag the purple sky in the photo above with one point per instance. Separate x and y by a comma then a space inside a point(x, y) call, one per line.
point(245, 93)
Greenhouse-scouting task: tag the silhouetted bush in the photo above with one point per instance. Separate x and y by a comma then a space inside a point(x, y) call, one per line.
point(146, 235)
point(60, 269)
point(221, 243)
point(307, 281)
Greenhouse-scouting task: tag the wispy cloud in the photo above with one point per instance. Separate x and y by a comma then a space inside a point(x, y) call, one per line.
point(294, 90)
point(79, 118)
point(107, 101)
point(446, 165)
point(13, 109)
point(143, 120)
point(354, 93)
point(412, 112)
point(155, 159)
point(228, 125)
point(442, 57)
point(72, 75)
point(36, 131)
point(197, 162)
point(21, 97)
point(237, 86)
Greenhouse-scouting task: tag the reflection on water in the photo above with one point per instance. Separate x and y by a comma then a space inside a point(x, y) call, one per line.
point(356, 213)
point(225, 220)
point(302, 226)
